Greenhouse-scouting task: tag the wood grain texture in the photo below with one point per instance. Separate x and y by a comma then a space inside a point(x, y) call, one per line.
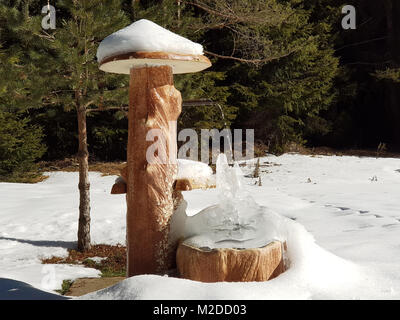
point(189, 184)
point(118, 188)
point(156, 55)
point(230, 265)
point(154, 102)
point(180, 63)
point(179, 185)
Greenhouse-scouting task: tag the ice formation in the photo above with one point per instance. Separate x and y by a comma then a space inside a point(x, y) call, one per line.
point(144, 35)
point(237, 221)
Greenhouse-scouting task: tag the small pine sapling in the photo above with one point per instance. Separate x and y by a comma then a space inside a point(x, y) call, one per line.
point(256, 172)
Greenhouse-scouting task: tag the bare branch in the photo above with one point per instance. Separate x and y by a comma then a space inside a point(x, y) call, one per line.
point(88, 104)
point(107, 109)
point(253, 61)
point(198, 102)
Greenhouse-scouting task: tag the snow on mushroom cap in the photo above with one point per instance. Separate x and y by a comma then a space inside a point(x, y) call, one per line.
point(144, 35)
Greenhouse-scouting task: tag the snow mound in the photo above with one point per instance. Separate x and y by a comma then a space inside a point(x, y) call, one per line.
point(194, 170)
point(238, 221)
point(313, 274)
point(144, 35)
point(346, 213)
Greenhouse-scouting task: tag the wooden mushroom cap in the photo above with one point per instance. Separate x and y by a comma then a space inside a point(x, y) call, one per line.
point(122, 63)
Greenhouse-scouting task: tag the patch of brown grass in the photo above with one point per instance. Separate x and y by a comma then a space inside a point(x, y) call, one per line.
point(33, 177)
point(72, 165)
point(113, 265)
point(107, 168)
point(38, 179)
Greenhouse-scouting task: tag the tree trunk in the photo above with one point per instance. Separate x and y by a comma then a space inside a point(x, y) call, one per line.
point(154, 102)
point(84, 185)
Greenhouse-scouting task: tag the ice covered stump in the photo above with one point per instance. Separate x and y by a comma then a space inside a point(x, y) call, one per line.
point(233, 240)
point(237, 220)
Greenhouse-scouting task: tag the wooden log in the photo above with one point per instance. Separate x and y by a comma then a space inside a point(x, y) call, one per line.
point(229, 264)
point(188, 184)
point(124, 173)
point(118, 188)
point(154, 102)
point(179, 185)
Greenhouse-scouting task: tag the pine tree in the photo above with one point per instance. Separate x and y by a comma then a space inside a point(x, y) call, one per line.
point(75, 81)
point(370, 64)
point(283, 98)
point(20, 146)
point(234, 33)
point(20, 142)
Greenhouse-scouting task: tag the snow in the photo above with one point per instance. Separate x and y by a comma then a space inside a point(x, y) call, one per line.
point(98, 259)
point(17, 290)
point(341, 227)
point(144, 35)
point(196, 171)
point(41, 220)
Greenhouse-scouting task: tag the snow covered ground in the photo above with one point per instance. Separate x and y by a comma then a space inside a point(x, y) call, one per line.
point(350, 205)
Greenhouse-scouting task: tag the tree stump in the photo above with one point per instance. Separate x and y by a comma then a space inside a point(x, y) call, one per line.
point(154, 102)
point(230, 264)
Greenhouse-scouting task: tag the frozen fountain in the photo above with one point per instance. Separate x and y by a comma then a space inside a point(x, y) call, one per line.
point(233, 240)
point(225, 241)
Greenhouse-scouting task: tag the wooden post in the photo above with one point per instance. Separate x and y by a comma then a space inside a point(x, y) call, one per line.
point(154, 102)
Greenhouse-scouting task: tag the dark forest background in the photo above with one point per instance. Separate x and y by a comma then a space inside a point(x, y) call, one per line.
point(283, 67)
